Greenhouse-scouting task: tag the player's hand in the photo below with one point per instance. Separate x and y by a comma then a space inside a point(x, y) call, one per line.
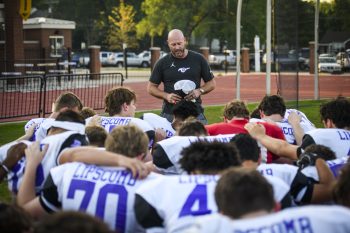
point(294, 118)
point(14, 154)
point(255, 130)
point(35, 154)
point(194, 94)
point(137, 168)
point(173, 98)
point(30, 131)
point(307, 159)
point(160, 134)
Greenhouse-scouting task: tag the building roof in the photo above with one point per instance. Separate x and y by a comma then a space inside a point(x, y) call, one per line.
point(48, 23)
point(331, 37)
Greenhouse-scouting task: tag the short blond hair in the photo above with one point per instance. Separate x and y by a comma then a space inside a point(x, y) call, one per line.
point(128, 140)
point(236, 108)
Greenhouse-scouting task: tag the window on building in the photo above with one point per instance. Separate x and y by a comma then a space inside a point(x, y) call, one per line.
point(56, 46)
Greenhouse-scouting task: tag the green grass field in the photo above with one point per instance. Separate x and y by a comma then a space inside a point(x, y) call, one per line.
point(12, 131)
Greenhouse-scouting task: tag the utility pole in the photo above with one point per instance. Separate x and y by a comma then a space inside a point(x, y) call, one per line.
point(317, 12)
point(238, 50)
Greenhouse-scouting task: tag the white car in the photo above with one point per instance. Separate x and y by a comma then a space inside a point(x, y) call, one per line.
point(329, 65)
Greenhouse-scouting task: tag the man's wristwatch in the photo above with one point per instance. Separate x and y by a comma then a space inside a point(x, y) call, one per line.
point(201, 90)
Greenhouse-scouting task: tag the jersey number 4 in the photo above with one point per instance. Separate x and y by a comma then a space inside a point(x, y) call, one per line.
point(88, 188)
point(199, 198)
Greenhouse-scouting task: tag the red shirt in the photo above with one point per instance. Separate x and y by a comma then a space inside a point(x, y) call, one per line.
point(236, 126)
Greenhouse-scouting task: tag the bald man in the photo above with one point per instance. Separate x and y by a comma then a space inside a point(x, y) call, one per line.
point(180, 64)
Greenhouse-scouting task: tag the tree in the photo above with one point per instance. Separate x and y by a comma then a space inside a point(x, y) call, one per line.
point(122, 27)
point(186, 15)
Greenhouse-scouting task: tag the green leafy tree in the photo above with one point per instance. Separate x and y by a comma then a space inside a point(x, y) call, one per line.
point(122, 27)
point(186, 15)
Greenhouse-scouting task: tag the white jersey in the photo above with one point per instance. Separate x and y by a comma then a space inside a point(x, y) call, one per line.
point(280, 188)
point(287, 129)
point(104, 192)
point(157, 122)
point(12, 177)
point(298, 182)
point(320, 219)
point(336, 139)
point(56, 144)
point(335, 165)
point(170, 149)
point(38, 122)
point(109, 123)
point(176, 200)
point(43, 128)
point(305, 123)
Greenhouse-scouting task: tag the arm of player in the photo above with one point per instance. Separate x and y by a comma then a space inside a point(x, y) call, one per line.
point(153, 89)
point(91, 155)
point(323, 190)
point(277, 146)
point(294, 120)
point(28, 134)
point(34, 156)
point(14, 154)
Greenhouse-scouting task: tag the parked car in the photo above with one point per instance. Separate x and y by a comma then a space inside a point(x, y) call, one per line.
point(343, 59)
point(132, 60)
point(287, 61)
point(141, 60)
point(329, 65)
point(81, 59)
point(107, 58)
point(146, 55)
point(220, 60)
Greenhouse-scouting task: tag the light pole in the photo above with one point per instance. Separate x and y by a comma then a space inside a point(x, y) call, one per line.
point(317, 12)
point(238, 50)
point(268, 47)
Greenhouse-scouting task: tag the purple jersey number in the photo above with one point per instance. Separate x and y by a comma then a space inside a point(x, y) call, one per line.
point(199, 194)
point(88, 187)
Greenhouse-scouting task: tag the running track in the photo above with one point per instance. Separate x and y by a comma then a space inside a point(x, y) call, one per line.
point(253, 88)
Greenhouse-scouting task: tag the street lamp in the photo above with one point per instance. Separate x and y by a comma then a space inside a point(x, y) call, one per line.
point(316, 93)
point(238, 50)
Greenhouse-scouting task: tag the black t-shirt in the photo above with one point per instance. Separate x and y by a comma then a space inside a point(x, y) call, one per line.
point(170, 69)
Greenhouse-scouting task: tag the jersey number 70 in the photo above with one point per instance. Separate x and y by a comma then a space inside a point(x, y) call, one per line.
point(88, 187)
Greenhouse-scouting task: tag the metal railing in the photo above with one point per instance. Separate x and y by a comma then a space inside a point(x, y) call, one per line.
point(33, 95)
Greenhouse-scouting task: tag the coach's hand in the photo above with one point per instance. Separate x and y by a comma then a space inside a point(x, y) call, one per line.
point(194, 94)
point(172, 98)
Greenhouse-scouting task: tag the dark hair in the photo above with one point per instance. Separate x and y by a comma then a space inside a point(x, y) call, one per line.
point(69, 100)
point(273, 104)
point(321, 151)
point(184, 109)
point(341, 190)
point(236, 108)
point(241, 191)
point(209, 157)
point(247, 147)
point(255, 113)
point(116, 97)
point(71, 222)
point(338, 111)
point(70, 116)
point(14, 219)
point(87, 112)
point(96, 135)
point(192, 127)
